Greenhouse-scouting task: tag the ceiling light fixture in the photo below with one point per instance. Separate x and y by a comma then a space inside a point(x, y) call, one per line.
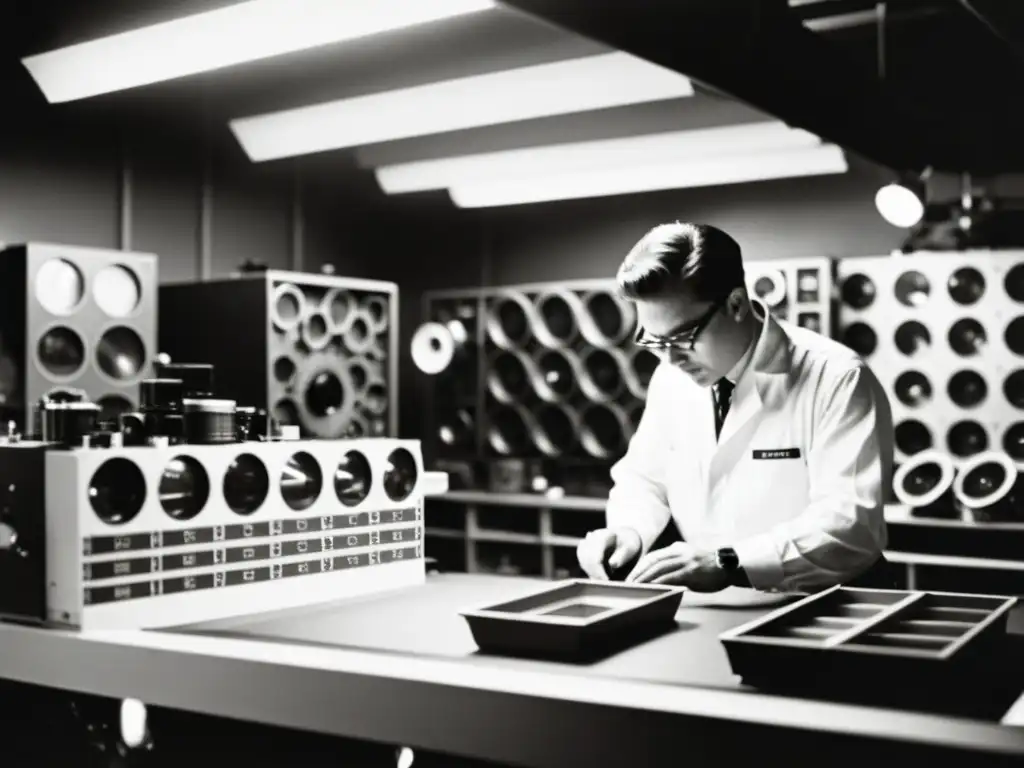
point(575, 85)
point(236, 34)
point(902, 203)
point(558, 159)
point(733, 169)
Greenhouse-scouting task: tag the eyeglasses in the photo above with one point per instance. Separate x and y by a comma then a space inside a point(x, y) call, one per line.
point(684, 339)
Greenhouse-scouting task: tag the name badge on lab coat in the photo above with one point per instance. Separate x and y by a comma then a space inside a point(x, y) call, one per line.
point(778, 453)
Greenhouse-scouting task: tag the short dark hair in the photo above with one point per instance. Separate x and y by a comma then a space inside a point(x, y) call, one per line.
point(702, 257)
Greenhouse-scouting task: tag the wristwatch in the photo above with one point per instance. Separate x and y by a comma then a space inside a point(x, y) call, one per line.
point(729, 562)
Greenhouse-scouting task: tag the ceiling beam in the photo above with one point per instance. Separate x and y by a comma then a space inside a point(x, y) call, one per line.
point(759, 53)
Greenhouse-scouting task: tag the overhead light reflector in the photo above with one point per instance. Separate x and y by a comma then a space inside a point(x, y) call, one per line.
point(899, 205)
point(236, 34)
point(734, 169)
point(558, 159)
point(560, 88)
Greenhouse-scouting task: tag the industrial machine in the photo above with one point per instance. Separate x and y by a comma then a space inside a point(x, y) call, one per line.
point(194, 508)
point(318, 351)
point(76, 317)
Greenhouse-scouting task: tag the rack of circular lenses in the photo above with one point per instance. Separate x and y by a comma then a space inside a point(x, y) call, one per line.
point(944, 332)
point(545, 374)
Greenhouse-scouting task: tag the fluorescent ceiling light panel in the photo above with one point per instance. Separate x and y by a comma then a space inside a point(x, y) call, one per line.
point(577, 85)
point(558, 159)
point(733, 169)
point(224, 37)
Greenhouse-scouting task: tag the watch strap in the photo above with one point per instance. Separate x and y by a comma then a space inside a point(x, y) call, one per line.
point(729, 561)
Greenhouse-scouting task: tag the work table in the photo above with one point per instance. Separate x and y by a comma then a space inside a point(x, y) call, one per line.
point(402, 668)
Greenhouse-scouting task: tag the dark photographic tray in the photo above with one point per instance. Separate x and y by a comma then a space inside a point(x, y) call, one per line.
point(577, 618)
point(875, 637)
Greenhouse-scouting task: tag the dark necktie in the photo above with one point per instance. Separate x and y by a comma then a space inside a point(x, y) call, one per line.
point(723, 399)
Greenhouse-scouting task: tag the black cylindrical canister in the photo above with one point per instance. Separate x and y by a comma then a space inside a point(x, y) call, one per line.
point(209, 422)
point(68, 423)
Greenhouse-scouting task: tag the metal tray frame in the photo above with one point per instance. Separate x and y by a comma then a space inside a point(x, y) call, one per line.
point(497, 629)
point(846, 641)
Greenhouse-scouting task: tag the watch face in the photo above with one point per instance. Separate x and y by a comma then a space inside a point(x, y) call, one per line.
point(728, 560)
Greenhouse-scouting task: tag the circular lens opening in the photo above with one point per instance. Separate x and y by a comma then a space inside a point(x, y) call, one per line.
point(301, 481)
point(606, 313)
point(1014, 283)
point(604, 372)
point(377, 309)
point(184, 488)
point(858, 291)
point(913, 389)
point(285, 413)
point(912, 338)
point(358, 332)
point(912, 289)
point(287, 306)
point(507, 433)
point(352, 478)
point(922, 479)
point(316, 328)
point(861, 338)
point(359, 374)
point(984, 480)
point(512, 321)
point(375, 399)
point(401, 475)
point(120, 353)
point(770, 289)
point(912, 437)
point(966, 438)
point(558, 318)
point(1013, 388)
point(967, 389)
point(602, 432)
point(117, 491)
point(509, 376)
point(1013, 442)
point(59, 286)
point(284, 370)
point(246, 484)
point(967, 337)
point(557, 373)
point(61, 351)
point(325, 394)
point(340, 307)
point(117, 290)
point(966, 286)
point(1014, 336)
point(559, 428)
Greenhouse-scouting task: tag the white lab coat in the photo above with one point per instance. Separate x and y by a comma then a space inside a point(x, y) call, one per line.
point(798, 522)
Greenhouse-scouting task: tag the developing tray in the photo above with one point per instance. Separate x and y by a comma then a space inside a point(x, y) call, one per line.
point(576, 618)
point(872, 636)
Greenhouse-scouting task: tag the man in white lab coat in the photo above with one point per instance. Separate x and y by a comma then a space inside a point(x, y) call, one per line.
point(770, 446)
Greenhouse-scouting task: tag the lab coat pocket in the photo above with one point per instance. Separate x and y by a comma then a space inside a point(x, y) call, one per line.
point(770, 489)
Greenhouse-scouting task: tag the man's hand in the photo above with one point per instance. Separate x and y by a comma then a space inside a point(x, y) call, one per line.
point(614, 546)
point(684, 565)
